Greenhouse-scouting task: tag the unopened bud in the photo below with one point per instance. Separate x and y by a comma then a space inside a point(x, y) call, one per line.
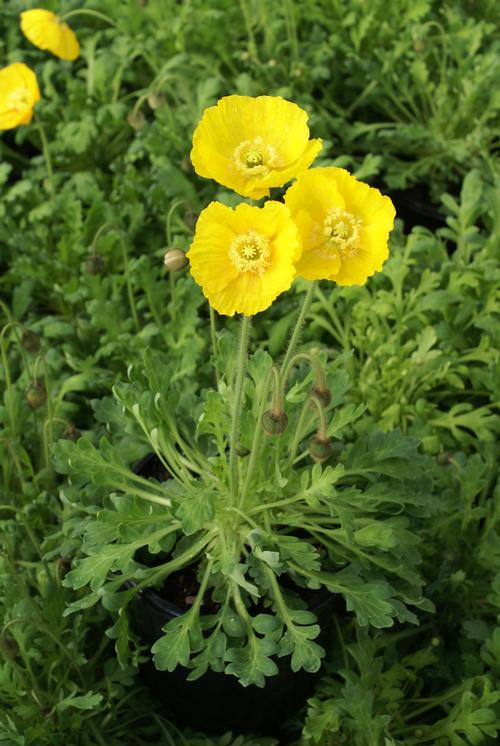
point(242, 451)
point(71, 432)
point(443, 458)
point(320, 449)
point(186, 165)
point(155, 99)
point(36, 395)
point(30, 341)
point(274, 423)
point(94, 264)
point(323, 394)
point(175, 260)
point(419, 46)
point(9, 646)
point(136, 119)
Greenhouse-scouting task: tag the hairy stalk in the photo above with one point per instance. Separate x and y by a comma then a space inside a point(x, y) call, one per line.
point(48, 159)
point(298, 326)
point(257, 436)
point(213, 338)
point(238, 402)
point(89, 12)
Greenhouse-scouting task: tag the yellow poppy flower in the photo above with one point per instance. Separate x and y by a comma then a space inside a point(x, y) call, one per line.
point(47, 31)
point(251, 144)
point(344, 225)
point(244, 258)
point(19, 93)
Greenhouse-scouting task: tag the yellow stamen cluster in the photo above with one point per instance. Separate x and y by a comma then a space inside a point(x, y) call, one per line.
point(255, 157)
point(250, 252)
point(341, 233)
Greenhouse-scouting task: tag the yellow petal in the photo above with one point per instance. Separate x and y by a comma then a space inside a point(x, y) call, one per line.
point(47, 31)
point(344, 226)
point(233, 287)
point(253, 144)
point(19, 93)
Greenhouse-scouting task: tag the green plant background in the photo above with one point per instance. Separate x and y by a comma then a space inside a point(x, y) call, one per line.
point(405, 99)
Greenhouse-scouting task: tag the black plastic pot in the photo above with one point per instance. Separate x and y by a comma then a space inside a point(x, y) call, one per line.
point(216, 702)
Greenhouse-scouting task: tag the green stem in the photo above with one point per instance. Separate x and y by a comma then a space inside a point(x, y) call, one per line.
point(213, 337)
point(48, 160)
point(128, 281)
point(248, 26)
point(89, 12)
point(298, 326)
point(237, 402)
point(298, 431)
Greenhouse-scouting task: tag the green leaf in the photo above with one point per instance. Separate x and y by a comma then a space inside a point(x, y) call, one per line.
point(182, 637)
point(252, 663)
point(195, 509)
point(371, 601)
point(81, 702)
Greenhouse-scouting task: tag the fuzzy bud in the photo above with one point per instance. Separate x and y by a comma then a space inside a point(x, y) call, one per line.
point(323, 394)
point(242, 451)
point(8, 646)
point(94, 264)
point(186, 165)
point(419, 45)
point(71, 432)
point(36, 395)
point(30, 341)
point(274, 423)
point(156, 100)
point(320, 449)
point(136, 119)
point(443, 458)
point(175, 260)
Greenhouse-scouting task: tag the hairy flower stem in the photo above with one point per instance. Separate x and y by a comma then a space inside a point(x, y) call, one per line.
point(298, 327)
point(241, 366)
point(48, 160)
point(213, 337)
point(89, 12)
point(322, 426)
point(257, 437)
point(312, 361)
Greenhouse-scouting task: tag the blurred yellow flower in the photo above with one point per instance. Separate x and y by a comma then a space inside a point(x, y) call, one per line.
point(251, 144)
point(244, 258)
point(344, 226)
point(19, 93)
point(46, 30)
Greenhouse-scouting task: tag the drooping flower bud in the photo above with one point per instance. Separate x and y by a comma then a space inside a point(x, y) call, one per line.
point(274, 423)
point(320, 449)
point(186, 165)
point(155, 99)
point(242, 451)
point(175, 260)
point(443, 458)
point(136, 119)
point(9, 646)
point(71, 432)
point(36, 394)
point(30, 341)
point(94, 264)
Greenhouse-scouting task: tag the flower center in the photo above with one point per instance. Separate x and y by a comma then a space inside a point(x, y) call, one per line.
point(250, 252)
point(19, 99)
point(255, 157)
point(338, 234)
